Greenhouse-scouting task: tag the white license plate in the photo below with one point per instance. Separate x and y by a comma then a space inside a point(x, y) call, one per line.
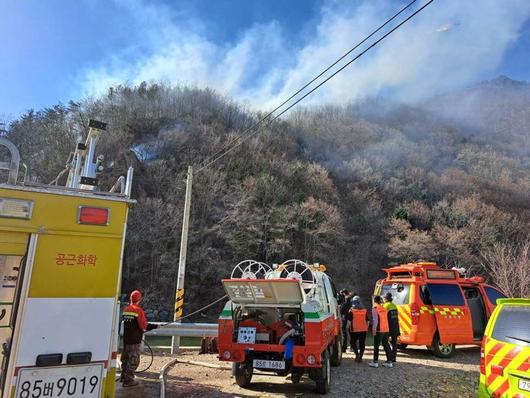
point(61, 381)
point(266, 364)
point(524, 385)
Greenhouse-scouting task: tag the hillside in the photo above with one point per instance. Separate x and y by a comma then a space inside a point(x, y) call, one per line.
point(356, 187)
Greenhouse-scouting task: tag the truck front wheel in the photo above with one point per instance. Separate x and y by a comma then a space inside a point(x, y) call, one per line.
point(243, 374)
point(336, 357)
point(324, 381)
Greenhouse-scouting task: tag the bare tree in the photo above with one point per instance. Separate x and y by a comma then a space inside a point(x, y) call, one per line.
point(509, 267)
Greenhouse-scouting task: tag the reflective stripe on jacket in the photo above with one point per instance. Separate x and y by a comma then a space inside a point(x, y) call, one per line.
point(134, 324)
point(393, 318)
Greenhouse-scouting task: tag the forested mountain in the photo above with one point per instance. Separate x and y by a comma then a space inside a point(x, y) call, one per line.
point(356, 187)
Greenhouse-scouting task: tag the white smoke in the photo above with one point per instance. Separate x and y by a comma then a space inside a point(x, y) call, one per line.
point(451, 44)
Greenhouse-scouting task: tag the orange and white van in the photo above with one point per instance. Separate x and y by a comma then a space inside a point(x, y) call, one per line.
point(283, 320)
point(438, 307)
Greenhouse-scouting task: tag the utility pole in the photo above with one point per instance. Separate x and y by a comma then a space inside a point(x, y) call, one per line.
point(179, 295)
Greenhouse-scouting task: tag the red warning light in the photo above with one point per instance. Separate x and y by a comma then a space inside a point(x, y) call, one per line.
point(93, 215)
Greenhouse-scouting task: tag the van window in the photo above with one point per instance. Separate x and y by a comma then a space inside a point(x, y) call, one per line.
point(425, 296)
point(400, 292)
point(445, 294)
point(493, 294)
point(512, 325)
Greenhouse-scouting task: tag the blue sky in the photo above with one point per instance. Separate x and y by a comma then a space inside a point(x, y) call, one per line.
point(256, 51)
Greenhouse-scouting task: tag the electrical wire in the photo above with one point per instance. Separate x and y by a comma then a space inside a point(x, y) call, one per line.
point(169, 323)
point(315, 78)
point(195, 312)
point(243, 139)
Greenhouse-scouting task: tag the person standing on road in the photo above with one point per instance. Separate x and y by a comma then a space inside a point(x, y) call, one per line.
point(380, 333)
point(344, 310)
point(393, 324)
point(134, 326)
point(358, 326)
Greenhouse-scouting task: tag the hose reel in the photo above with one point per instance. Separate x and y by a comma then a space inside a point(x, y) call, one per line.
point(250, 269)
point(299, 270)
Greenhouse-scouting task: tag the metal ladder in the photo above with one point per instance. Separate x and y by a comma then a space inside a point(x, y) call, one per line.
point(13, 164)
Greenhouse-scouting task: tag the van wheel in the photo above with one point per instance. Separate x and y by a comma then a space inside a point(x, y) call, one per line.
point(402, 346)
point(442, 350)
point(324, 380)
point(243, 374)
point(336, 357)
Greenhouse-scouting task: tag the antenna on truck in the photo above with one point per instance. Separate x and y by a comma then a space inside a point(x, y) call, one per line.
point(84, 166)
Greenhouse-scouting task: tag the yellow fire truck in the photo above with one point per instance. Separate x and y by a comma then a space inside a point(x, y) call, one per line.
point(60, 268)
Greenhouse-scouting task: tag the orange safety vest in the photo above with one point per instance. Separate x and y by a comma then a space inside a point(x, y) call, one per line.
point(359, 323)
point(383, 319)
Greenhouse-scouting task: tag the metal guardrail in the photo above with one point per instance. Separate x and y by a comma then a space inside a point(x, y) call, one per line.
point(184, 329)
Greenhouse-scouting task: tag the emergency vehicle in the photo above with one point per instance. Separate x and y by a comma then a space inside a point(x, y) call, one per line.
point(60, 268)
point(438, 307)
point(505, 351)
point(283, 320)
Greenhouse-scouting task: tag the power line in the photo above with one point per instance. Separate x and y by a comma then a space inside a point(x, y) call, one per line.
point(310, 82)
point(243, 139)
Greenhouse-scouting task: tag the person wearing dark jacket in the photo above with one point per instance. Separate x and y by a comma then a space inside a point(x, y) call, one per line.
point(134, 326)
point(344, 310)
point(393, 324)
point(358, 326)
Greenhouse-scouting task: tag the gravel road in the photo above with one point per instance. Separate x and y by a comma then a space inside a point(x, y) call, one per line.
point(417, 374)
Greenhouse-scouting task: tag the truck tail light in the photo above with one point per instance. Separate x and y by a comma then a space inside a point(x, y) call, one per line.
point(300, 358)
point(415, 313)
point(93, 215)
point(482, 357)
point(236, 355)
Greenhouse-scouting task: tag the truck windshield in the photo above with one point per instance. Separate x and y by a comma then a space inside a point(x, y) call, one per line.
point(400, 292)
point(512, 325)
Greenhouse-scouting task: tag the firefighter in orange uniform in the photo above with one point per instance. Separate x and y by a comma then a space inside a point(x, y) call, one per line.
point(134, 326)
point(358, 326)
point(380, 331)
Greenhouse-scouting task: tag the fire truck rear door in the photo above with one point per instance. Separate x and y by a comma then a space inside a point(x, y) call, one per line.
point(13, 247)
point(266, 292)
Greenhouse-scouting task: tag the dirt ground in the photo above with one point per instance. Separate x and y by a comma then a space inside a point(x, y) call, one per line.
point(417, 374)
